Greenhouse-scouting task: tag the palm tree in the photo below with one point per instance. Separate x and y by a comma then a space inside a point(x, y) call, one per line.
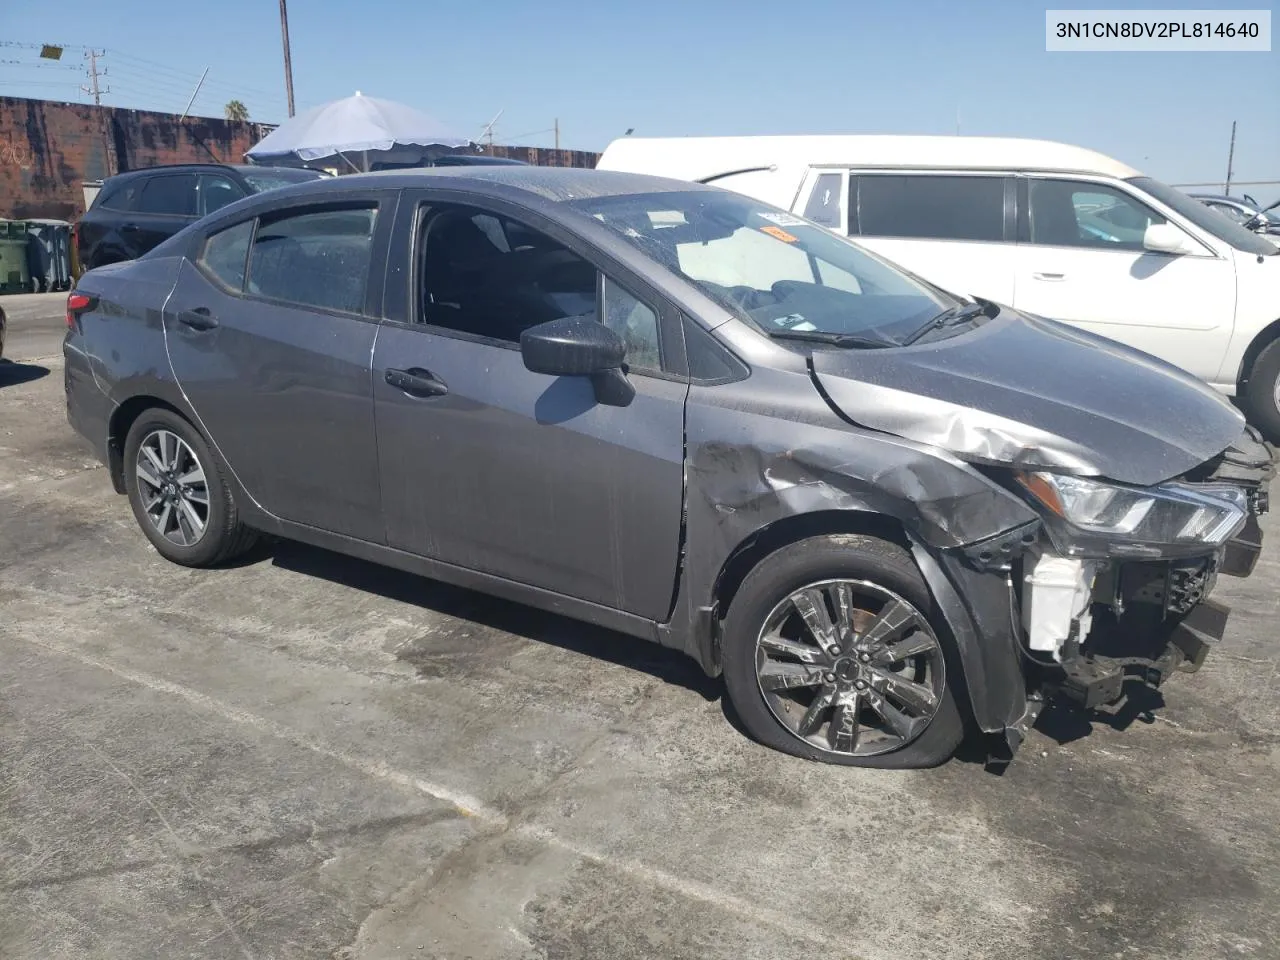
point(236, 111)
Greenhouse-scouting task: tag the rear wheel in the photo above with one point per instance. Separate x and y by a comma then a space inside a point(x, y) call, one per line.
point(831, 653)
point(1262, 392)
point(178, 495)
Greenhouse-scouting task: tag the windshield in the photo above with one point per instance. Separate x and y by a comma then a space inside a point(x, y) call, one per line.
point(1206, 218)
point(272, 179)
point(773, 269)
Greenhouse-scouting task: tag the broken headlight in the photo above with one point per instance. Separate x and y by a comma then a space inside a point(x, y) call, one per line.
point(1091, 518)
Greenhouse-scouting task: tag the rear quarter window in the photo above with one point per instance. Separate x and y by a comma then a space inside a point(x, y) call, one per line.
point(225, 255)
point(119, 196)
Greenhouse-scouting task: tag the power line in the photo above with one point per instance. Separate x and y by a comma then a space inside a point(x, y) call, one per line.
point(178, 73)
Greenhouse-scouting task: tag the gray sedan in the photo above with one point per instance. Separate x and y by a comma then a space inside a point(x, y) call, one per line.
point(890, 516)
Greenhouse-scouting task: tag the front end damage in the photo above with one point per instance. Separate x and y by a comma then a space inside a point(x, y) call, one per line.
point(1095, 615)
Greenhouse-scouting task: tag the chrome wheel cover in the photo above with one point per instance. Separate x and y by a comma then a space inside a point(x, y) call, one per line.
point(172, 488)
point(850, 667)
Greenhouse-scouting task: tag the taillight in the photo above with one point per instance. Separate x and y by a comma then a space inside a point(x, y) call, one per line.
point(77, 302)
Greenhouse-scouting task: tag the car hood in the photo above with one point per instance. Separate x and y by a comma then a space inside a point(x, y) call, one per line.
point(1034, 393)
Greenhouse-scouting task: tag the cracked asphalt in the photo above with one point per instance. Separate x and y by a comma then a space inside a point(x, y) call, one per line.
point(309, 756)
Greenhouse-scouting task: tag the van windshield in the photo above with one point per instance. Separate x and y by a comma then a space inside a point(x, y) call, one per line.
point(777, 271)
point(1206, 218)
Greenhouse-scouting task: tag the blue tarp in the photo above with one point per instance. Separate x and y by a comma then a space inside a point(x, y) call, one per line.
point(350, 127)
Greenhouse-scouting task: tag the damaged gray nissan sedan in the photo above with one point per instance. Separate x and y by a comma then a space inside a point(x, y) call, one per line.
point(889, 515)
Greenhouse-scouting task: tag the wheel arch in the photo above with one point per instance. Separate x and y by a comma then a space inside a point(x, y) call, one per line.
point(1264, 338)
point(972, 605)
point(122, 419)
point(791, 529)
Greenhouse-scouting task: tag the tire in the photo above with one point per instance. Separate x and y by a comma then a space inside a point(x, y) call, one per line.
point(886, 578)
point(222, 536)
point(1261, 392)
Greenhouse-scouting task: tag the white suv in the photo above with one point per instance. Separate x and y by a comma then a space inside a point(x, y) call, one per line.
point(1047, 228)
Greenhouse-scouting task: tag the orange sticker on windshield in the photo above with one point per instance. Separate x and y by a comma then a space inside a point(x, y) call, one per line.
point(779, 233)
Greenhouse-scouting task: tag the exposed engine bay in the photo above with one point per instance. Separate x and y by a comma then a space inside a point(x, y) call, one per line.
point(1092, 623)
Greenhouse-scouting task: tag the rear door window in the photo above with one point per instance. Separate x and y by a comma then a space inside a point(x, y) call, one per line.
point(315, 258)
point(930, 207)
point(173, 195)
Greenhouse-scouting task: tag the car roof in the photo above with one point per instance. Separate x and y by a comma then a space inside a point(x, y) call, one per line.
point(695, 158)
point(547, 183)
point(1221, 198)
point(194, 167)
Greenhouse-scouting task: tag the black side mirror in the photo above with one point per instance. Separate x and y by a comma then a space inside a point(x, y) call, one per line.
point(580, 347)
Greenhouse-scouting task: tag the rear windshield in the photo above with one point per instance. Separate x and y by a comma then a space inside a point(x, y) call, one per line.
point(274, 178)
point(1206, 218)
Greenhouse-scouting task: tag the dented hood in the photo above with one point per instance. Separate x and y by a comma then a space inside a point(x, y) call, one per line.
point(1035, 393)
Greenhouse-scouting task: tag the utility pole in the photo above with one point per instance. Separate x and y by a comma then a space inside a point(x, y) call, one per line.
point(93, 89)
point(288, 62)
point(557, 133)
point(1231, 155)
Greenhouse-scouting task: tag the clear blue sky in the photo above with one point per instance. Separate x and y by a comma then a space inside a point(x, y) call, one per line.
point(673, 68)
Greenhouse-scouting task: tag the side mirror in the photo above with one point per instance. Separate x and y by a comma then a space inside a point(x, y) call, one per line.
point(580, 347)
point(1165, 238)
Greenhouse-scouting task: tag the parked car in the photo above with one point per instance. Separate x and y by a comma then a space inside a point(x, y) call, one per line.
point(876, 507)
point(1050, 229)
point(4, 329)
point(132, 212)
point(1243, 210)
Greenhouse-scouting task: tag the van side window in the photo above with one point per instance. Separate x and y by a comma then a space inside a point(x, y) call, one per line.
point(824, 203)
point(930, 207)
point(1072, 213)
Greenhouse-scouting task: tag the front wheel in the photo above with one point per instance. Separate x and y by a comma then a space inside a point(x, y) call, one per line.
point(831, 652)
point(1262, 392)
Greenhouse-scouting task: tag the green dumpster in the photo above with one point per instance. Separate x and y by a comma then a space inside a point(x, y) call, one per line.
point(14, 274)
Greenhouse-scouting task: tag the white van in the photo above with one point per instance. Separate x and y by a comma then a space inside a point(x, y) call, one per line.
point(1046, 228)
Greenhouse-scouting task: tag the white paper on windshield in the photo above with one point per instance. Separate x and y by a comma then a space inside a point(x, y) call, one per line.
point(782, 219)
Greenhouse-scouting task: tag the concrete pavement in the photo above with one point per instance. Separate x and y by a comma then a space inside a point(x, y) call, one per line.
point(35, 325)
point(309, 756)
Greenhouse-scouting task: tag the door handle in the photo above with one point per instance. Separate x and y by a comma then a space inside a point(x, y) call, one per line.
point(129, 228)
point(198, 319)
point(1054, 277)
point(417, 382)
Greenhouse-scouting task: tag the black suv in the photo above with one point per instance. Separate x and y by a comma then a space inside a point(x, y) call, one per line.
point(135, 211)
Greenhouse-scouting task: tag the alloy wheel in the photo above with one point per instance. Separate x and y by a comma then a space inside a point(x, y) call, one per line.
point(850, 667)
point(172, 487)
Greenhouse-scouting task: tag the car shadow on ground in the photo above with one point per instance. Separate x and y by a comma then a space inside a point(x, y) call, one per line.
point(1065, 722)
point(530, 623)
point(13, 374)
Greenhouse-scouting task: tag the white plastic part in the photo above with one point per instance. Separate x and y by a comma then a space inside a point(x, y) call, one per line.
point(1056, 593)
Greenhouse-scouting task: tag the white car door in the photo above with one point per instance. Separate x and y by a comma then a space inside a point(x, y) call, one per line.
point(1081, 259)
point(953, 229)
